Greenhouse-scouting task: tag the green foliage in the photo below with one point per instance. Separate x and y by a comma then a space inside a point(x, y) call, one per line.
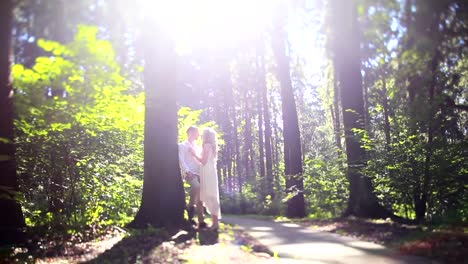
point(252, 201)
point(326, 186)
point(417, 138)
point(79, 135)
point(189, 117)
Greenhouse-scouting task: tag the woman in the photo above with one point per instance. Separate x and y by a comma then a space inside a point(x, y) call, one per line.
point(209, 193)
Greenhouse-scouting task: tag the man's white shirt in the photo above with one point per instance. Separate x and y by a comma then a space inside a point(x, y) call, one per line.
point(188, 162)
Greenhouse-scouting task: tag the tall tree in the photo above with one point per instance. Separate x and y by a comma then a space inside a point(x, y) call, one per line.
point(291, 134)
point(362, 200)
point(335, 112)
point(12, 219)
point(268, 136)
point(435, 31)
point(163, 199)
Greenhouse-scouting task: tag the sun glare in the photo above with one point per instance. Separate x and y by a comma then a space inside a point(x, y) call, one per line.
point(211, 23)
point(201, 26)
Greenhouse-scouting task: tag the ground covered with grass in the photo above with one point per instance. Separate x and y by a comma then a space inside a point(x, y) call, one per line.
point(118, 245)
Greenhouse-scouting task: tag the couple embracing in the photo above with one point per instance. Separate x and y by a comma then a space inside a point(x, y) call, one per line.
point(198, 167)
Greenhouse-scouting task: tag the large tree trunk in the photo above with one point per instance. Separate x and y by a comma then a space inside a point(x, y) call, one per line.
point(12, 220)
point(291, 134)
point(163, 199)
point(362, 201)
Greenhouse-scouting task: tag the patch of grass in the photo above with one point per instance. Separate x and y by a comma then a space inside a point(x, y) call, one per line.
point(254, 216)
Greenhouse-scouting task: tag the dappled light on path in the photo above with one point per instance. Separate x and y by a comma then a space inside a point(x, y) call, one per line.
point(294, 243)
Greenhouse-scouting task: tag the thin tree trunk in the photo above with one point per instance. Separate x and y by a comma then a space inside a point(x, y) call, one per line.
point(421, 213)
point(228, 126)
point(249, 173)
point(237, 171)
point(268, 138)
point(12, 220)
point(387, 129)
point(266, 122)
point(336, 109)
point(261, 144)
point(366, 105)
point(276, 141)
point(163, 199)
point(291, 133)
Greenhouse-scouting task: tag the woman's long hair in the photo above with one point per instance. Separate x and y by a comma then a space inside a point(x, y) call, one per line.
point(210, 136)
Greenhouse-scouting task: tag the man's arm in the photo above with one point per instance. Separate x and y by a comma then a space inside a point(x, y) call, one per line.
point(182, 164)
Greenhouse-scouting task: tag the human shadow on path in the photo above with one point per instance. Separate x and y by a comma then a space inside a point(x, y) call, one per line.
point(207, 236)
point(154, 246)
point(144, 247)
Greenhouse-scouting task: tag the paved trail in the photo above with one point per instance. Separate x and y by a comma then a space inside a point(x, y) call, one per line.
point(296, 244)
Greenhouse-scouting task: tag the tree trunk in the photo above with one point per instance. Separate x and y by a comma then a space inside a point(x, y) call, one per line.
point(336, 109)
point(261, 145)
point(163, 199)
point(268, 142)
point(276, 141)
point(362, 201)
point(247, 152)
point(237, 170)
point(291, 134)
point(366, 114)
point(266, 122)
point(12, 220)
point(421, 212)
point(386, 111)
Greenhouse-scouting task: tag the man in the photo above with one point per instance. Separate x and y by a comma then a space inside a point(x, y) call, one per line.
point(190, 167)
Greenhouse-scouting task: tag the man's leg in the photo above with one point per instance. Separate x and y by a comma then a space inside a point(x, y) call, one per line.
point(194, 193)
point(200, 209)
point(191, 206)
point(200, 212)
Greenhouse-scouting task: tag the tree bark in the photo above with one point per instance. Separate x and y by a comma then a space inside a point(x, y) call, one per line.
point(267, 125)
point(336, 110)
point(237, 170)
point(12, 220)
point(387, 127)
point(291, 133)
point(362, 201)
point(276, 142)
point(247, 152)
point(261, 145)
point(163, 199)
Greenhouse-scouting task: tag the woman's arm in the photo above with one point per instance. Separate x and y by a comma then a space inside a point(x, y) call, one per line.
point(204, 156)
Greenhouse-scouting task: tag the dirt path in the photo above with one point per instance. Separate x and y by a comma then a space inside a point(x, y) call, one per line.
point(296, 244)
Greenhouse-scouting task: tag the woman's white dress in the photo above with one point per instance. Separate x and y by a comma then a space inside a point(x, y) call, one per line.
point(209, 193)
